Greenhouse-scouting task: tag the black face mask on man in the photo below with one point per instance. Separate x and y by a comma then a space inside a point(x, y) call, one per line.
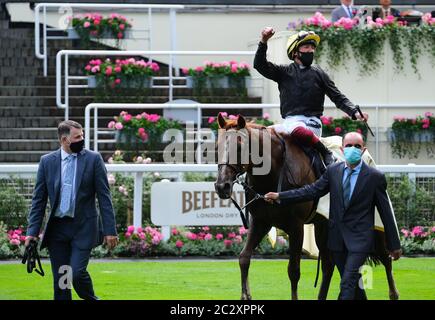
point(76, 147)
point(306, 58)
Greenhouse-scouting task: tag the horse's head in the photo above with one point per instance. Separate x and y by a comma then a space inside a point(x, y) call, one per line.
point(232, 140)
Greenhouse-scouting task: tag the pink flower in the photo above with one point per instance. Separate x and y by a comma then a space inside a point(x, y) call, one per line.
point(95, 69)
point(130, 229)
point(122, 26)
point(433, 229)
point(232, 117)
point(191, 236)
point(140, 229)
point(111, 125)
point(208, 236)
point(417, 231)
point(174, 231)
point(185, 71)
point(117, 81)
point(234, 68)
point(338, 130)
point(266, 116)
point(425, 126)
point(211, 120)
point(227, 243)
point(405, 232)
point(238, 239)
point(153, 117)
point(127, 117)
point(119, 126)
point(428, 114)
point(199, 69)
point(224, 114)
point(109, 71)
point(127, 234)
point(219, 236)
point(88, 67)
point(242, 231)
point(156, 240)
point(142, 236)
point(15, 242)
point(206, 229)
point(87, 24)
point(179, 244)
point(120, 35)
point(118, 69)
point(231, 235)
point(97, 22)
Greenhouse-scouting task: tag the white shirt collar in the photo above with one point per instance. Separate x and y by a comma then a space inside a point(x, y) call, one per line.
point(65, 154)
point(345, 7)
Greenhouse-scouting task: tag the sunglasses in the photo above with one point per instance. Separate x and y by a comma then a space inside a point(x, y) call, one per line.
point(358, 146)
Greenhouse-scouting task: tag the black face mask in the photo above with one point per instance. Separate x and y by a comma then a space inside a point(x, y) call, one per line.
point(76, 147)
point(306, 58)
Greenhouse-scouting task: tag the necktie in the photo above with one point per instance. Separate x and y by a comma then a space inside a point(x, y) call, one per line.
point(350, 12)
point(67, 187)
point(346, 188)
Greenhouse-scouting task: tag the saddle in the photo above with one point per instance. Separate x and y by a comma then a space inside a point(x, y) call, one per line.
point(316, 164)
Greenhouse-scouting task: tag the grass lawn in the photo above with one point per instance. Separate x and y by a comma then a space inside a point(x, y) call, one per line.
point(201, 280)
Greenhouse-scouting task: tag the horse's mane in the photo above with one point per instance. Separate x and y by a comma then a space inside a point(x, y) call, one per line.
point(249, 125)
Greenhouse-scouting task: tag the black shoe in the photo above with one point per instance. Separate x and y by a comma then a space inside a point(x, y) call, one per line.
point(328, 157)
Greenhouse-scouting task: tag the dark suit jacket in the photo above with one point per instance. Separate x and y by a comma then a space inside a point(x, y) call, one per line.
point(354, 226)
point(91, 183)
point(377, 13)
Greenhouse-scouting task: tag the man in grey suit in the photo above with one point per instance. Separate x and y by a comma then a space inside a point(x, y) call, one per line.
point(72, 178)
point(346, 10)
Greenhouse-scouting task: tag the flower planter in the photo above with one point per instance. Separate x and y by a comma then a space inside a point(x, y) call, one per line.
point(138, 82)
point(411, 137)
point(217, 82)
point(72, 34)
point(92, 81)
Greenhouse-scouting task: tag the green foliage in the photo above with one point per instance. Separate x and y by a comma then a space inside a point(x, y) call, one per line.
point(340, 126)
point(413, 205)
point(13, 205)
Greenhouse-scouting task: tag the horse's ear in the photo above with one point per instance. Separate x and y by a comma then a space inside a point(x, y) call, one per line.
point(241, 122)
point(221, 121)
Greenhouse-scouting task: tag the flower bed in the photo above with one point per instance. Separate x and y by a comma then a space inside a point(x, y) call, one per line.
point(142, 131)
point(367, 42)
point(94, 25)
point(213, 76)
point(407, 135)
point(112, 78)
point(418, 240)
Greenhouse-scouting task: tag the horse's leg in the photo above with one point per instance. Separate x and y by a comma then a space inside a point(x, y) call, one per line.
point(385, 259)
point(296, 239)
point(256, 232)
point(321, 235)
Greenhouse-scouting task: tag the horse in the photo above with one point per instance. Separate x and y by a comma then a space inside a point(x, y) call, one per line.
point(289, 218)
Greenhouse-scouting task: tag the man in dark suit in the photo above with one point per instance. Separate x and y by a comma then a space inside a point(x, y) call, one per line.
point(385, 10)
point(72, 178)
point(355, 190)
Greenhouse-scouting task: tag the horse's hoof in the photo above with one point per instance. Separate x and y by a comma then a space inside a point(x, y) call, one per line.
point(246, 297)
point(394, 295)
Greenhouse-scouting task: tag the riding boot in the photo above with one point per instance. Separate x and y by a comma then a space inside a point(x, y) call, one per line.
point(327, 155)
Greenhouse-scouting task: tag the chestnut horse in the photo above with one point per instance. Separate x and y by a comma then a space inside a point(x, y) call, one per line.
point(289, 218)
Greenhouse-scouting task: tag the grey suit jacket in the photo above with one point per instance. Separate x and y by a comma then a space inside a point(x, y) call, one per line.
point(339, 12)
point(91, 184)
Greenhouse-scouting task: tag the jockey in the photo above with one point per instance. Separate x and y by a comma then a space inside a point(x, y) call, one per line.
point(302, 88)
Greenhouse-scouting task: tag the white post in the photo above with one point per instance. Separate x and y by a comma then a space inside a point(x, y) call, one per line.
point(377, 134)
point(44, 37)
point(173, 17)
point(96, 129)
point(66, 88)
point(87, 126)
point(137, 204)
point(198, 134)
point(166, 232)
point(171, 85)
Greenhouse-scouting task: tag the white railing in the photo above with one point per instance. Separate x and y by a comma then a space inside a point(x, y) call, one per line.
point(68, 53)
point(119, 106)
point(218, 106)
point(139, 169)
point(67, 7)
